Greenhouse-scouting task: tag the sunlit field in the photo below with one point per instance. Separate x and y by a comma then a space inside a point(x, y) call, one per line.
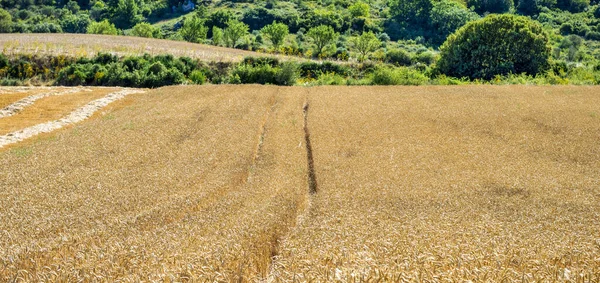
point(295, 184)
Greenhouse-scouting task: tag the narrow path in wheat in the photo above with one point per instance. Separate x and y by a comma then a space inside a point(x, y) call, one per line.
point(74, 117)
point(18, 106)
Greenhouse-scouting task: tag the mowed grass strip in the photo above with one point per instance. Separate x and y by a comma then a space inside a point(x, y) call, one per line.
point(184, 183)
point(49, 109)
point(481, 184)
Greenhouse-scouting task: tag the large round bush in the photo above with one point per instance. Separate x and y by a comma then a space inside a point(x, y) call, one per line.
point(495, 45)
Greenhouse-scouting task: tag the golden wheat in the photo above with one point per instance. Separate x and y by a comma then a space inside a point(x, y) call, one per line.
point(86, 45)
point(457, 184)
point(413, 184)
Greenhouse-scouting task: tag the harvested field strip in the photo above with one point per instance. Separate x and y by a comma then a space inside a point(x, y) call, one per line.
point(49, 108)
point(76, 116)
point(200, 209)
point(88, 45)
point(16, 89)
point(486, 184)
point(9, 97)
point(21, 104)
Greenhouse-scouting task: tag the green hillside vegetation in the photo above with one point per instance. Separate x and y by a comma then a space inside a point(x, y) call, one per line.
point(395, 33)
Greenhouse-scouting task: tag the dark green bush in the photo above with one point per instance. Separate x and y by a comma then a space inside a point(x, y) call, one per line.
point(287, 74)
point(398, 57)
point(105, 58)
point(314, 69)
point(398, 76)
point(259, 61)
point(490, 6)
point(261, 74)
point(495, 45)
point(3, 61)
point(426, 58)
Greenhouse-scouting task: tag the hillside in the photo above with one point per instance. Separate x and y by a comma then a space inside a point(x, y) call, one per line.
point(294, 184)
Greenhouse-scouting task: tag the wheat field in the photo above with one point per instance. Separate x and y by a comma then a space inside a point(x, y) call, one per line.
point(88, 45)
point(293, 184)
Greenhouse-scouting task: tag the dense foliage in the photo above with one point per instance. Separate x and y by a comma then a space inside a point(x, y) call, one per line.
point(396, 32)
point(496, 45)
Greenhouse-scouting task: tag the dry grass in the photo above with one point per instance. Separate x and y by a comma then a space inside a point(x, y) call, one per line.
point(414, 184)
point(88, 45)
point(49, 108)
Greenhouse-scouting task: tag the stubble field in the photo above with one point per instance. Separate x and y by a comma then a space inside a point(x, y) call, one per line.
point(89, 45)
point(276, 184)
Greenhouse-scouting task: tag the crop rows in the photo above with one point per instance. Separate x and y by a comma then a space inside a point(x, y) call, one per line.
point(258, 183)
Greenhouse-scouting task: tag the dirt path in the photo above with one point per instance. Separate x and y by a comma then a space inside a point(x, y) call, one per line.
point(76, 116)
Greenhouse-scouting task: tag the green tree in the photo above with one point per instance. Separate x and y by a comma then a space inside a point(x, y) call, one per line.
point(359, 9)
point(5, 21)
point(495, 45)
point(103, 27)
point(193, 30)
point(73, 7)
point(364, 44)
point(322, 36)
point(276, 32)
point(220, 18)
point(146, 30)
point(234, 31)
point(533, 7)
point(75, 23)
point(447, 16)
point(414, 12)
point(126, 14)
point(490, 6)
point(573, 6)
point(217, 35)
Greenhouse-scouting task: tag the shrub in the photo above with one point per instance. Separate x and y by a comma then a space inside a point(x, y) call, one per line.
point(426, 58)
point(314, 69)
point(257, 61)
point(5, 21)
point(105, 58)
point(75, 23)
point(248, 74)
point(198, 77)
point(103, 27)
point(3, 61)
point(156, 68)
point(146, 30)
point(287, 74)
point(573, 6)
point(490, 6)
point(398, 76)
point(46, 28)
point(163, 77)
point(398, 57)
point(495, 45)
